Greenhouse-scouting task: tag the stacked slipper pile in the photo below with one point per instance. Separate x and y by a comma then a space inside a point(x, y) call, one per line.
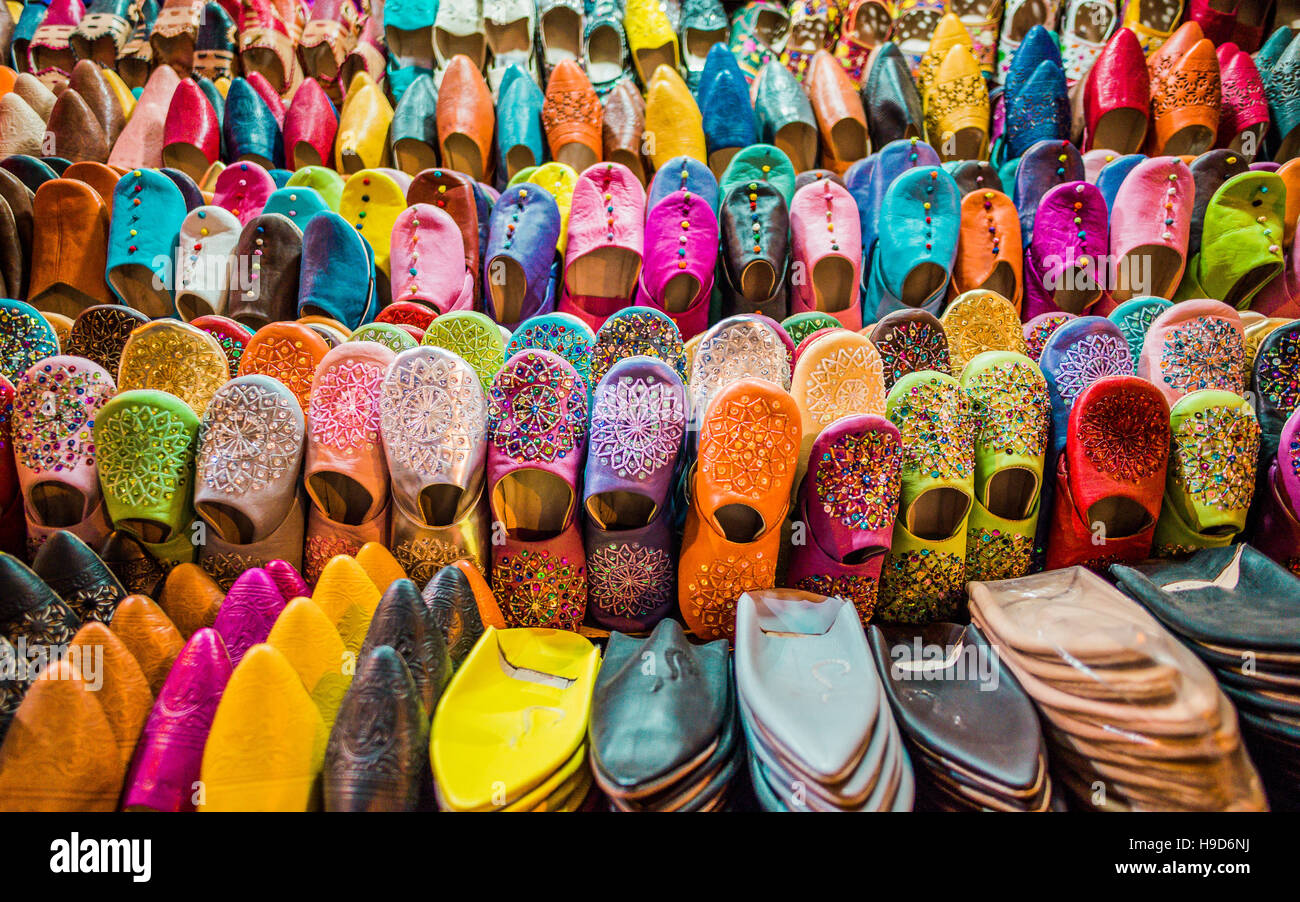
point(1240, 613)
point(664, 734)
point(1133, 720)
point(510, 733)
point(821, 736)
point(971, 732)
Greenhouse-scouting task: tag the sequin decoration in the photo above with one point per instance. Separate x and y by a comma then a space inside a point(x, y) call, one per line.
point(628, 579)
point(284, 359)
point(1135, 324)
point(742, 349)
point(25, 338)
point(232, 347)
point(537, 410)
point(1206, 352)
point(857, 478)
point(54, 412)
point(861, 590)
point(475, 338)
point(385, 334)
point(846, 379)
point(535, 588)
point(920, 586)
point(1013, 408)
point(801, 325)
point(937, 425)
point(145, 454)
point(421, 558)
point(1213, 453)
point(912, 346)
point(432, 412)
point(573, 344)
point(1125, 434)
point(345, 406)
point(715, 587)
point(248, 439)
point(1094, 355)
point(1040, 329)
point(637, 331)
point(748, 443)
point(981, 321)
point(182, 360)
point(1277, 372)
point(997, 554)
point(637, 425)
point(100, 333)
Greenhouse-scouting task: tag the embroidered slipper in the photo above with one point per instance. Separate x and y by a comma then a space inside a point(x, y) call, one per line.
point(55, 405)
point(563, 334)
point(980, 321)
point(26, 338)
point(741, 347)
point(1134, 318)
point(847, 504)
point(433, 422)
point(1211, 483)
point(287, 352)
point(145, 445)
point(250, 449)
point(174, 357)
point(1040, 328)
point(1010, 398)
point(638, 424)
point(1195, 345)
point(344, 473)
point(839, 374)
point(925, 570)
point(537, 435)
point(473, 337)
point(637, 332)
point(740, 494)
point(910, 341)
point(1111, 476)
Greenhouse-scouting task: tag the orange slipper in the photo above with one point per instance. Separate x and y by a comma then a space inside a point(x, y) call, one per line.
point(740, 493)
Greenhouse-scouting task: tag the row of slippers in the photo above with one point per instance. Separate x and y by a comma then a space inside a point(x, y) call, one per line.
point(245, 693)
point(1129, 103)
point(898, 232)
point(607, 39)
point(953, 478)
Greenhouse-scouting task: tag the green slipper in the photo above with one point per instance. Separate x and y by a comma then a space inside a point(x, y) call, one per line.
point(925, 572)
point(145, 441)
point(474, 337)
point(393, 337)
point(326, 182)
point(1010, 398)
point(1211, 477)
point(1241, 241)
